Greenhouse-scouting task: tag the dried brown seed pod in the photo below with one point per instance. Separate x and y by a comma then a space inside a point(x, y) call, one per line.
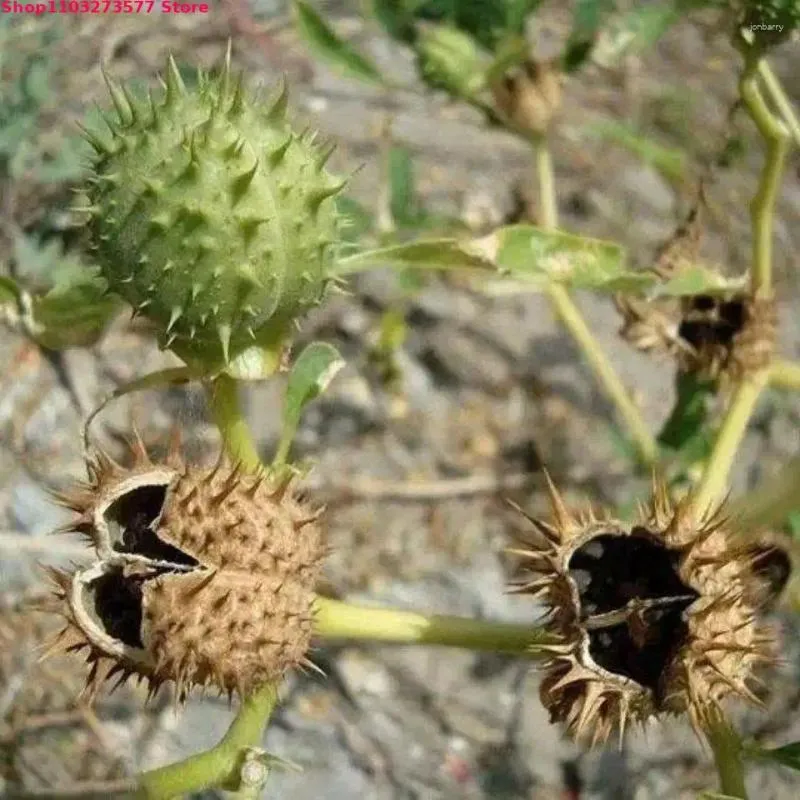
point(530, 96)
point(205, 576)
point(717, 338)
point(659, 616)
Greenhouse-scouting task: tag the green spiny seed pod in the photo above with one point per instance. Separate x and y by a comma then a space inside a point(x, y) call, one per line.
point(210, 215)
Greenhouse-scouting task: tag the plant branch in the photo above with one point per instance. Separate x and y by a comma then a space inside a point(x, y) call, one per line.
point(728, 751)
point(763, 204)
point(782, 102)
point(335, 619)
point(734, 424)
point(573, 321)
point(784, 374)
point(223, 395)
point(220, 766)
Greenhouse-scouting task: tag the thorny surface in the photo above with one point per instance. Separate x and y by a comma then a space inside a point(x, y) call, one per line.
point(490, 390)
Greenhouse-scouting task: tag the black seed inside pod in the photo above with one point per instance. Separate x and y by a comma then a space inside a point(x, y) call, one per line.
point(130, 519)
point(118, 605)
point(631, 603)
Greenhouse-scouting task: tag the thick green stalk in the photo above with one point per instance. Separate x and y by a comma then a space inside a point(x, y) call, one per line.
point(334, 619)
point(223, 395)
point(784, 374)
point(573, 321)
point(762, 207)
point(734, 424)
point(728, 755)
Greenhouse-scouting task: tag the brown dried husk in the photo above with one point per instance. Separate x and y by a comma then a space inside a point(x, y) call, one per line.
point(723, 640)
point(227, 589)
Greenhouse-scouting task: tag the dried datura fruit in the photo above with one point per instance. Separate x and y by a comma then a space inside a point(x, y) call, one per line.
point(205, 576)
point(530, 96)
point(716, 338)
point(660, 616)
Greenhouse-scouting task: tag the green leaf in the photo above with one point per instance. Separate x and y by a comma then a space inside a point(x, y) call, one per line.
point(793, 523)
point(694, 279)
point(396, 17)
point(10, 291)
point(669, 161)
point(357, 220)
point(788, 755)
point(587, 17)
point(689, 414)
point(633, 31)
point(431, 254)
point(73, 315)
point(324, 42)
point(404, 203)
point(310, 375)
point(537, 257)
point(254, 364)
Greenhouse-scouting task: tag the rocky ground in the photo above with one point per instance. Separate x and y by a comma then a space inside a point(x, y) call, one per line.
point(490, 389)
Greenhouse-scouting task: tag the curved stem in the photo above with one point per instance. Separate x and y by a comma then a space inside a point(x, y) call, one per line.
point(734, 424)
point(782, 102)
point(335, 619)
point(763, 204)
point(784, 374)
point(573, 321)
point(728, 755)
point(220, 765)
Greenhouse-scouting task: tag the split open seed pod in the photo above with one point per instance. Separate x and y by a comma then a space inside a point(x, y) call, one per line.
point(662, 616)
point(205, 576)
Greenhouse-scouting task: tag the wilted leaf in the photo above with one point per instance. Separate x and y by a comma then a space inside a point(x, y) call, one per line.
point(254, 364)
point(787, 756)
point(323, 41)
point(310, 375)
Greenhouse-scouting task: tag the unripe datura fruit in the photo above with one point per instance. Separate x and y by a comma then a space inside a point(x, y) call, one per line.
point(210, 215)
point(204, 577)
point(659, 616)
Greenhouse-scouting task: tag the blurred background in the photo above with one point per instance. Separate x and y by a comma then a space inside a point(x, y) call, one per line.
point(450, 398)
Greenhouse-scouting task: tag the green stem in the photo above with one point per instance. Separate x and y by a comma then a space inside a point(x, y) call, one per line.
point(763, 204)
point(784, 374)
point(548, 207)
point(734, 424)
point(782, 102)
point(220, 765)
point(728, 751)
point(608, 379)
point(335, 619)
point(223, 395)
point(573, 321)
